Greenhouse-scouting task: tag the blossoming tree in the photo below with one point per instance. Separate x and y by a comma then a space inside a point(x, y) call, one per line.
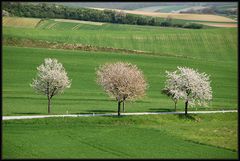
point(51, 79)
point(190, 85)
point(171, 88)
point(122, 81)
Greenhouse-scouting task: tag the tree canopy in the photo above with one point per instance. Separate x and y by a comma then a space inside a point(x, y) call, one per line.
point(190, 85)
point(51, 79)
point(122, 81)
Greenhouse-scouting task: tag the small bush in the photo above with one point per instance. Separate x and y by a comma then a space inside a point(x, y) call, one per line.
point(177, 25)
point(193, 26)
point(166, 23)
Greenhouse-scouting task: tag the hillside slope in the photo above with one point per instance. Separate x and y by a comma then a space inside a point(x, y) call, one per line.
point(216, 44)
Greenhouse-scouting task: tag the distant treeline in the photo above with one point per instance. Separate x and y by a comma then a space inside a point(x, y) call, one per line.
point(44, 10)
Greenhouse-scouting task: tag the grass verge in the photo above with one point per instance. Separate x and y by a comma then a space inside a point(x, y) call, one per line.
point(169, 136)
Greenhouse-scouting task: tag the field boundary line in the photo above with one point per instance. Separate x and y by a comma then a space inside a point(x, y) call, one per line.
point(113, 114)
point(82, 47)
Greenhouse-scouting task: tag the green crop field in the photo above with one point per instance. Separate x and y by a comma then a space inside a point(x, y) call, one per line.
point(213, 51)
point(125, 137)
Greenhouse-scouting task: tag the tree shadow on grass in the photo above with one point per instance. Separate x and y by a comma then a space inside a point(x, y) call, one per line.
point(28, 113)
point(102, 111)
point(121, 116)
point(94, 111)
point(30, 98)
point(161, 110)
point(78, 100)
point(191, 117)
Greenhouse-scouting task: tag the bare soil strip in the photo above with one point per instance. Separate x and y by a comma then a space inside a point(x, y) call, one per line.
point(112, 114)
point(79, 21)
point(65, 46)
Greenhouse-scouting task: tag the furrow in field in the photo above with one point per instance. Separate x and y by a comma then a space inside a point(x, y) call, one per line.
point(52, 25)
point(76, 27)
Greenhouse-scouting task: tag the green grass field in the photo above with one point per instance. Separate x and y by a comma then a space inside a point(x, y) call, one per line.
point(213, 51)
point(200, 136)
point(209, 44)
point(84, 96)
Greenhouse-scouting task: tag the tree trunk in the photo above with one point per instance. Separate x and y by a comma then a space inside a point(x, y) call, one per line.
point(119, 104)
point(123, 105)
point(175, 106)
point(186, 104)
point(49, 104)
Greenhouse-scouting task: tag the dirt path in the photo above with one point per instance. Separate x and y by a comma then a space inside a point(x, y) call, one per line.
point(112, 114)
point(219, 24)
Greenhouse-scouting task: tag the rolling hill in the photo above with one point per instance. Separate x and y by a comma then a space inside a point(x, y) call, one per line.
point(81, 46)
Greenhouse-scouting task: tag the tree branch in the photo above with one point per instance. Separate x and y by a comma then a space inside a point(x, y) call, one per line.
point(53, 92)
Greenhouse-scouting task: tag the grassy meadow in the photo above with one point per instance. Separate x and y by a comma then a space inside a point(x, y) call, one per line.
point(86, 96)
point(212, 50)
point(124, 137)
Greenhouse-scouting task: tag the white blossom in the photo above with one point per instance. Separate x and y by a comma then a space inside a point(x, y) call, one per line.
point(190, 85)
point(122, 80)
point(51, 79)
point(194, 85)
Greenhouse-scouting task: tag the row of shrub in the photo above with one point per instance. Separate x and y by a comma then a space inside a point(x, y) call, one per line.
point(46, 10)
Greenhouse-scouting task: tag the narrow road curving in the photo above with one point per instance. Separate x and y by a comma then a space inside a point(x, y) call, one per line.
point(112, 114)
